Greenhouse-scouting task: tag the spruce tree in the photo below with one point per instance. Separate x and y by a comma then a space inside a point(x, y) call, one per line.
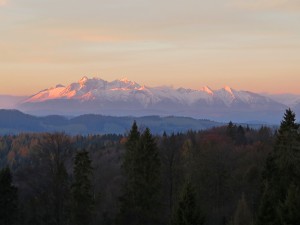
point(128, 212)
point(148, 169)
point(8, 198)
point(187, 212)
point(131, 152)
point(287, 154)
point(282, 169)
point(82, 196)
point(141, 166)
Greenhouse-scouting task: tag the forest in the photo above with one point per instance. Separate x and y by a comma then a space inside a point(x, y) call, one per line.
point(228, 175)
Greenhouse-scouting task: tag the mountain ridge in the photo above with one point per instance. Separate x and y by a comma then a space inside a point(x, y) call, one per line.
point(89, 89)
point(123, 97)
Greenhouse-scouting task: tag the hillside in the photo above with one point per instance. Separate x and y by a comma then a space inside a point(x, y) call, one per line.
point(14, 121)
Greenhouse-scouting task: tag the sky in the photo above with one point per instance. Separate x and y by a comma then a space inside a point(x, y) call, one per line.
point(246, 44)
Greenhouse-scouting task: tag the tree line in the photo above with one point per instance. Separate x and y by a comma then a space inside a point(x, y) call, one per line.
point(230, 175)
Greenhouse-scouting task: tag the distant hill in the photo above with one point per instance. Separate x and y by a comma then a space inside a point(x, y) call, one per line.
point(14, 121)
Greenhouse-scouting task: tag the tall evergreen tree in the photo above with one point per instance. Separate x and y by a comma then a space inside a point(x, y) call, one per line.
point(8, 198)
point(140, 200)
point(82, 196)
point(187, 212)
point(287, 153)
point(128, 210)
point(282, 169)
point(148, 169)
point(131, 152)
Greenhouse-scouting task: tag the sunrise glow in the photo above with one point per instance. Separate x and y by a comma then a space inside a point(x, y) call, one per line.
point(247, 45)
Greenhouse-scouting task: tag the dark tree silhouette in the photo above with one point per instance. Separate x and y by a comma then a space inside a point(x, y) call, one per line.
point(82, 196)
point(8, 198)
point(140, 199)
point(187, 212)
point(281, 171)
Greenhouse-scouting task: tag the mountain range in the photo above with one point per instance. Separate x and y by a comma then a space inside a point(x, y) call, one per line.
point(128, 98)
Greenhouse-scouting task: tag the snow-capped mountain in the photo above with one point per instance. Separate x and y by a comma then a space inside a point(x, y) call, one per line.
point(124, 97)
point(291, 100)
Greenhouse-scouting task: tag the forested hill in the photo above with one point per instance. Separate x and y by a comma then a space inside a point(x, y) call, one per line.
point(227, 175)
point(14, 122)
point(224, 167)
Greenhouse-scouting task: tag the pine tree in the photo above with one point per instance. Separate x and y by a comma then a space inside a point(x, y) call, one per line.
point(282, 169)
point(140, 199)
point(82, 197)
point(187, 212)
point(8, 198)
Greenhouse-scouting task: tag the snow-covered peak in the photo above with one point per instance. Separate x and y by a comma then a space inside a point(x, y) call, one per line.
point(124, 84)
point(47, 94)
point(97, 89)
point(125, 80)
point(225, 95)
point(207, 90)
point(83, 80)
point(229, 90)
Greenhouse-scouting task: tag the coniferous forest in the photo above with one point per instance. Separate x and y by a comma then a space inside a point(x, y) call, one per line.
point(229, 175)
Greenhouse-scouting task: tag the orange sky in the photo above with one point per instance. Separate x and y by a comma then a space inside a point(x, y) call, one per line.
point(248, 45)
